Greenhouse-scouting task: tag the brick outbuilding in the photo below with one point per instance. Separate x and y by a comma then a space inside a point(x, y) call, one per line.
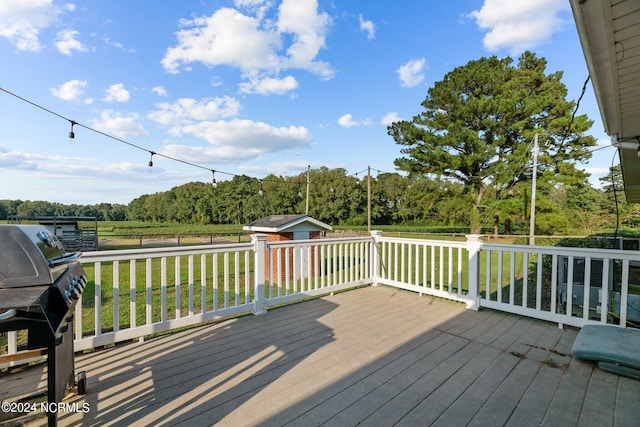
point(283, 228)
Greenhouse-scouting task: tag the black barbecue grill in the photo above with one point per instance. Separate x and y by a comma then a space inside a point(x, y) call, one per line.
point(39, 287)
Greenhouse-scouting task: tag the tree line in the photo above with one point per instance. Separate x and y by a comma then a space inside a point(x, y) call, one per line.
point(338, 198)
point(28, 208)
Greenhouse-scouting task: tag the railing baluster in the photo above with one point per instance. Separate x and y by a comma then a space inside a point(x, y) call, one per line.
point(512, 277)
point(460, 271)
point(568, 304)
point(499, 278)
point(425, 255)
point(488, 275)
point(624, 292)
point(214, 275)
point(177, 289)
point(191, 280)
point(247, 278)
point(97, 304)
point(279, 271)
point(586, 282)
point(441, 268)
point(525, 278)
point(203, 283)
point(450, 271)
point(554, 283)
point(116, 295)
point(604, 296)
point(148, 291)
point(236, 269)
point(163, 289)
point(539, 283)
point(226, 279)
point(132, 294)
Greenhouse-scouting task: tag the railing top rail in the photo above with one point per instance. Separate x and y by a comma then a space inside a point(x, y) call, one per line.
point(123, 254)
point(566, 251)
point(429, 242)
point(319, 242)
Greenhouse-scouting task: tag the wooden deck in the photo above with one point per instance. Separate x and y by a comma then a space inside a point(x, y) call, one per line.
point(373, 356)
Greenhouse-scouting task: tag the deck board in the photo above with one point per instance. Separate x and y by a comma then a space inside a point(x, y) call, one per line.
point(372, 356)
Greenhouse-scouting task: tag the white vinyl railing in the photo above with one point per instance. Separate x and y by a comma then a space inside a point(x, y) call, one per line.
point(433, 267)
point(146, 291)
point(135, 293)
point(572, 286)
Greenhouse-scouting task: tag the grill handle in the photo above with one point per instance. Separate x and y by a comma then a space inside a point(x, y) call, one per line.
point(8, 314)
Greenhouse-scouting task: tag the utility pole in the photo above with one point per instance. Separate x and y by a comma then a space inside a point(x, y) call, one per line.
point(307, 208)
point(369, 198)
point(532, 220)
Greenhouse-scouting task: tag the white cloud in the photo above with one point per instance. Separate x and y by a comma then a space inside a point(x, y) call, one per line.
point(412, 73)
point(225, 38)
point(160, 91)
point(238, 140)
point(269, 85)
point(70, 91)
point(187, 110)
point(346, 120)
point(246, 133)
point(116, 93)
point(66, 42)
point(15, 160)
point(368, 27)
point(22, 20)
point(285, 168)
point(249, 4)
point(114, 123)
point(301, 18)
point(256, 44)
point(389, 118)
point(519, 25)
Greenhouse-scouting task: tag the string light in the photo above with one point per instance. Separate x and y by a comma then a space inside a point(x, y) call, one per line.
point(152, 153)
point(213, 178)
point(72, 134)
point(260, 192)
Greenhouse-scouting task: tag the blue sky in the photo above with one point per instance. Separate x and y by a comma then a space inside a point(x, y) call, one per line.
point(240, 87)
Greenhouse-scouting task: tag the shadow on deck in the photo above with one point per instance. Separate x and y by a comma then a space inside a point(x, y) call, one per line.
point(372, 356)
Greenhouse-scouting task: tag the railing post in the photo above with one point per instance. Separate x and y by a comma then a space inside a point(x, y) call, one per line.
point(474, 243)
point(259, 248)
point(375, 256)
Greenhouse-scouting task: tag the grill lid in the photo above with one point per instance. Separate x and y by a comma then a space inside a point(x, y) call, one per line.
point(29, 256)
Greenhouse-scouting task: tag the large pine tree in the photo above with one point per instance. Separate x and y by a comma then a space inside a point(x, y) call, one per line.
point(478, 123)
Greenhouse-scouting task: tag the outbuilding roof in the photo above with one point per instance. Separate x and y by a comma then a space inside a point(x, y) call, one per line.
point(280, 223)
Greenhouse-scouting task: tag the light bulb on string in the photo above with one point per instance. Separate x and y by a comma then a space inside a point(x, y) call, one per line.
point(260, 192)
point(72, 134)
point(151, 158)
point(213, 178)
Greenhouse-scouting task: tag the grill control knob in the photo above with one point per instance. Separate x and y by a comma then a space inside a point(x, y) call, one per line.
point(74, 293)
point(67, 295)
point(78, 287)
point(81, 280)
